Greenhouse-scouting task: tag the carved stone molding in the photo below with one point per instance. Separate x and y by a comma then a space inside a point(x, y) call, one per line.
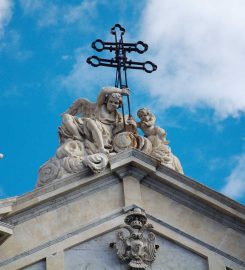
point(6, 230)
point(130, 171)
point(138, 248)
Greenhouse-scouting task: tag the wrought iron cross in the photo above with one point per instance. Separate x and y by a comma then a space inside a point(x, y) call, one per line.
point(120, 61)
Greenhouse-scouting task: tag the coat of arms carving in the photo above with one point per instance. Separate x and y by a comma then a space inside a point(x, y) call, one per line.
point(137, 248)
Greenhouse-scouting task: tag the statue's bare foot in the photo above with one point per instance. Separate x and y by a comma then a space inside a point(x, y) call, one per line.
point(103, 150)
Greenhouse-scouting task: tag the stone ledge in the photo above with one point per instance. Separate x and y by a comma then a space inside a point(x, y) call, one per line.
point(6, 230)
point(202, 188)
point(140, 166)
point(61, 199)
point(107, 224)
point(136, 159)
point(54, 189)
point(195, 203)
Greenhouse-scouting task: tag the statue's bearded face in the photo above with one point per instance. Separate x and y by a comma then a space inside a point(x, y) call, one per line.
point(113, 104)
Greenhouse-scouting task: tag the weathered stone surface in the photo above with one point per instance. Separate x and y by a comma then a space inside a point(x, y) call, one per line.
point(58, 216)
point(67, 216)
point(193, 223)
point(172, 256)
point(93, 132)
point(6, 231)
point(135, 244)
point(96, 254)
point(157, 137)
point(36, 266)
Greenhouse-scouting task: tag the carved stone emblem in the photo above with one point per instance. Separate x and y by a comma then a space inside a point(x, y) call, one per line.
point(137, 249)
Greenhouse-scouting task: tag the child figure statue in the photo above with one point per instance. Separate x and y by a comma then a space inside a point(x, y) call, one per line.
point(157, 136)
point(147, 125)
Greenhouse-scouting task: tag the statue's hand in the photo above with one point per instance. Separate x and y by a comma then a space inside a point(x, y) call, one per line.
point(125, 91)
point(130, 121)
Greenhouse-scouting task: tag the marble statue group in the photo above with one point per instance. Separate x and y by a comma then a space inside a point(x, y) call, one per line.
point(92, 132)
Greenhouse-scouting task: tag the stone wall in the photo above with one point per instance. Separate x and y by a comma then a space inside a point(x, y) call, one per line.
point(36, 266)
point(70, 223)
point(97, 254)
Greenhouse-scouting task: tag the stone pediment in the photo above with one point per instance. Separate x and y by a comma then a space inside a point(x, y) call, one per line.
point(69, 211)
point(6, 230)
point(101, 256)
point(147, 170)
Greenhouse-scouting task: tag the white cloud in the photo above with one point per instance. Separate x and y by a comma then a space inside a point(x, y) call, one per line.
point(199, 47)
point(5, 14)
point(12, 46)
point(235, 182)
point(49, 16)
point(76, 13)
point(48, 13)
point(11, 40)
point(65, 57)
point(30, 6)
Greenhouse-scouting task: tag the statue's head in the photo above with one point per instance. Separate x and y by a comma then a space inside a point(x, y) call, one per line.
point(113, 102)
point(145, 114)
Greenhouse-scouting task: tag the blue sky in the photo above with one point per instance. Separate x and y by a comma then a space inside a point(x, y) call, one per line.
point(197, 93)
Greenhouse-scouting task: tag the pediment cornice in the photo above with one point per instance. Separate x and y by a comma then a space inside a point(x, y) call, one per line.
point(146, 170)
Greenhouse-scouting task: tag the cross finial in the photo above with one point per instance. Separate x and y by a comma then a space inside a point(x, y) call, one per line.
point(120, 61)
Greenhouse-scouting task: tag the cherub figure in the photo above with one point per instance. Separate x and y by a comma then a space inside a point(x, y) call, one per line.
point(147, 125)
point(157, 136)
point(94, 122)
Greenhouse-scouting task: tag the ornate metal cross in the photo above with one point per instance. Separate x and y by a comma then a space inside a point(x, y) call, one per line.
point(120, 61)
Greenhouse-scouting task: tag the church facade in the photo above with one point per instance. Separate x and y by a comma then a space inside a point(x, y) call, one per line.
point(111, 199)
point(72, 223)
